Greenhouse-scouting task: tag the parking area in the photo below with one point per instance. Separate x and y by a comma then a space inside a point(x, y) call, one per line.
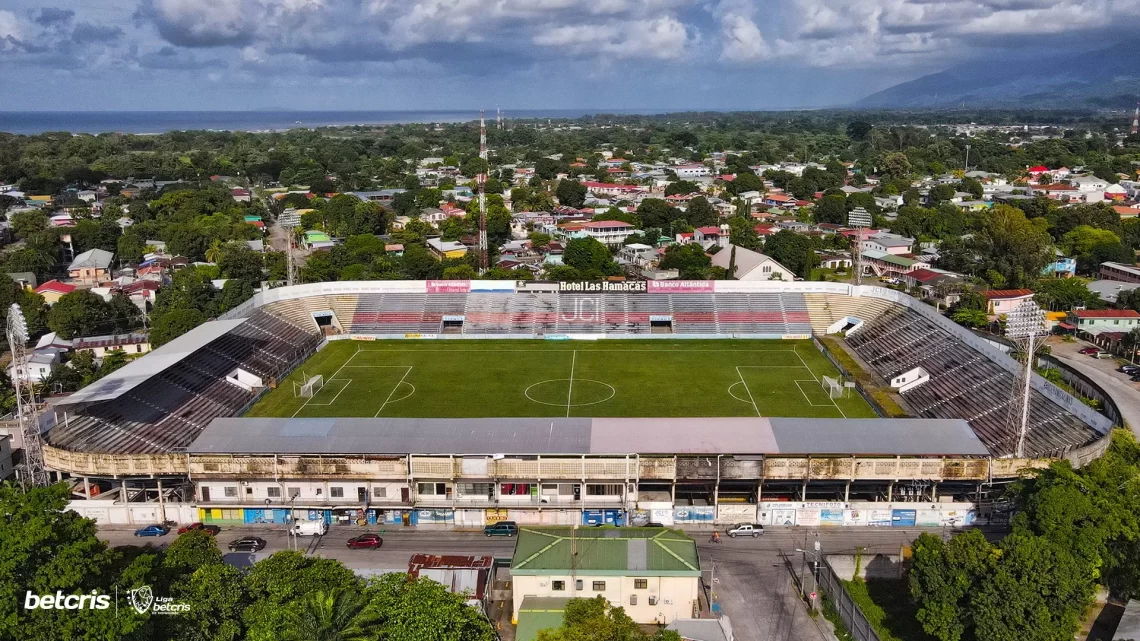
point(1102, 371)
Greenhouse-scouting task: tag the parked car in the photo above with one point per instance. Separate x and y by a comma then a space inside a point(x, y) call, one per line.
point(247, 544)
point(1130, 369)
point(746, 529)
point(152, 530)
point(1089, 351)
point(209, 529)
point(365, 541)
point(502, 528)
point(309, 528)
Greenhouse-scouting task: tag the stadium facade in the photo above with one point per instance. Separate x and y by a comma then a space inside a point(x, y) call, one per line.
point(165, 431)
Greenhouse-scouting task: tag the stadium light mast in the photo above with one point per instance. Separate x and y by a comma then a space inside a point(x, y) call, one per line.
point(1024, 326)
point(35, 472)
point(481, 181)
point(289, 221)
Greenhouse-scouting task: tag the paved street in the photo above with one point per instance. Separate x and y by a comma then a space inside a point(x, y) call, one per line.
point(753, 584)
point(1103, 372)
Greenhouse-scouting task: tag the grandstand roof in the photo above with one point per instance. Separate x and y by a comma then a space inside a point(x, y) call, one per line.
point(137, 371)
point(602, 436)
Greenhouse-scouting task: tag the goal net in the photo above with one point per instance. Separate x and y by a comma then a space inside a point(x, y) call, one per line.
point(312, 386)
point(833, 387)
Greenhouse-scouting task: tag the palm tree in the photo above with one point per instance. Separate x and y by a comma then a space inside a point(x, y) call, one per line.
point(337, 615)
point(214, 253)
point(1131, 342)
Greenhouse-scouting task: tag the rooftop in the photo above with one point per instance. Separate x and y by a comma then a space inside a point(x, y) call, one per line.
point(1002, 294)
point(605, 551)
point(92, 259)
point(1106, 313)
point(539, 613)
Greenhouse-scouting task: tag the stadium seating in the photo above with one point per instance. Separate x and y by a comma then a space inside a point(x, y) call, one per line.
point(963, 384)
point(169, 409)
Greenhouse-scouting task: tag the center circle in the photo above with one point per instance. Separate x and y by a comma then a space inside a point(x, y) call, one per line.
point(564, 392)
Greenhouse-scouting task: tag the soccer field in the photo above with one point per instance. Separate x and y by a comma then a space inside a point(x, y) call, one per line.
point(616, 378)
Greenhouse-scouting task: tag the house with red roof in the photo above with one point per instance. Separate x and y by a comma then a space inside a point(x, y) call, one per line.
point(1004, 301)
point(611, 189)
point(711, 235)
point(1057, 191)
point(607, 232)
point(53, 290)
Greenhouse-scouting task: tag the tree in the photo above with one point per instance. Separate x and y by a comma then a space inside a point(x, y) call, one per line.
point(791, 250)
point(170, 325)
point(407, 609)
point(336, 615)
point(191, 551)
point(1013, 246)
point(460, 272)
point(700, 213)
point(682, 187)
point(742, 232)
point(571, 193)
point(859, 130)
point(941, 193)
point(590, 257)
point(28, 223)
point(690, 261)
point(970, 318)
point(895, 165)
point(744, 182)
point(730, 271)
point(655, 212)
point(281, 580)
point(943, 576)
point(831, 209)
point(79, 313)
point(1065, 293)
point(239, 262)
point(596, 620)
point(216, 598)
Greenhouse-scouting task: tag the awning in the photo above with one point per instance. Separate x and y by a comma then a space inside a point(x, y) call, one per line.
point(1066, 326)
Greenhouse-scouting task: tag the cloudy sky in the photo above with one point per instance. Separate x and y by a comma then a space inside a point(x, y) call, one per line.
point(522, 54)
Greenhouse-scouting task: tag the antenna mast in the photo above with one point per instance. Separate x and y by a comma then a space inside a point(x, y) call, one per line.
point(1136, 120)
point(481, 180)
point(35, 473)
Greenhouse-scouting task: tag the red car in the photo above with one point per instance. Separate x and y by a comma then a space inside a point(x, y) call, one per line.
point(366, 541)
point(209, 529)
point(1090, 351)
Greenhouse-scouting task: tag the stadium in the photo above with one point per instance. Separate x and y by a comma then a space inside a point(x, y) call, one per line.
point(468, 402)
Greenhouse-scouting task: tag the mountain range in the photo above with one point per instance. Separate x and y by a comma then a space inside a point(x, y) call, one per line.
point(1100, 79)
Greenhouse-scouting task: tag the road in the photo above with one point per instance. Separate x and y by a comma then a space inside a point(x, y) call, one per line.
point(1102, 371)
point(753, 586)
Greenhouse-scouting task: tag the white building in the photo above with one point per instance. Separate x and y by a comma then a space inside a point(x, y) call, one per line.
point(653, 573)
point(752, 265)
point(608, 232)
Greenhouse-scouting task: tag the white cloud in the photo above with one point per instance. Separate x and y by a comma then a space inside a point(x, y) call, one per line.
point(661, 38)
point(9, 30)
point(743, 41)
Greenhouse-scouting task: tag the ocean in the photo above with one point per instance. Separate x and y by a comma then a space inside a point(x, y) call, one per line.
point(152, 122)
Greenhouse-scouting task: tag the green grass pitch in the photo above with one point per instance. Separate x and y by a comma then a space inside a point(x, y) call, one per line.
point(632, 378)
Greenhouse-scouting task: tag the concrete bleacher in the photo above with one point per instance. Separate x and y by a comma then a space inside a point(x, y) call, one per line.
point(963, 384)
point(170, 408)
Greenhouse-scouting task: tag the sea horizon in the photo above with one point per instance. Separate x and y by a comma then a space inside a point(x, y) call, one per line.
point(259, 120)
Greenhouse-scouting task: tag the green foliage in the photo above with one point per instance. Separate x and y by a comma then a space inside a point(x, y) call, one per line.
point(1062, 294)
point(335, 615)
point(690, 260)
point(700, 213)
point(405, 609)
point(975, 318)
point(571, 193)
point(655, 212)
point(591, 258)
point(831, 209)
point(83, 313)
point(792, 250)
point(596, 620)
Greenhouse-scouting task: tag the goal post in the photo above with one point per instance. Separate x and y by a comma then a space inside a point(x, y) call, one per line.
point(833, 387)
point(312, 386)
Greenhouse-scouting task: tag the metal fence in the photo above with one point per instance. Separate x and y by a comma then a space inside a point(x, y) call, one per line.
point(849, 613)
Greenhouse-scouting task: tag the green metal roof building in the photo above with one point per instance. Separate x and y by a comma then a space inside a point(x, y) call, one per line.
point(539, 613)
point(652, 572)
point(633, 551)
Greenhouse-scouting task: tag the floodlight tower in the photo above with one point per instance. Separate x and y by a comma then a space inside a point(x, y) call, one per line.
point(481, 181)
point(35, 473)
point(289, 221)
point(1024, 326)
point(1136, 120)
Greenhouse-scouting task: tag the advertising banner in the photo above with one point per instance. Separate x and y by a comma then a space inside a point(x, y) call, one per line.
point(880, 518)
point(783, 516)
point(903, 518)
point(694, 514)
point(680, 286)
point(831, 517)
point(807, 517)
point(928, 518)
point(596, 287)
point(857, 516)
point(448, 286)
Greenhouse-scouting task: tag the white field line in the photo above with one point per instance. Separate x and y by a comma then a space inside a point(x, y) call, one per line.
point(346, 362)
point(393, 392)
point(750, 397)
point(570, 391)
point(841, 413)
point(347, 382)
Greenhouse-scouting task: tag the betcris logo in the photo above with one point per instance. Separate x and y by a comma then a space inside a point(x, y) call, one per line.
point(61, 601)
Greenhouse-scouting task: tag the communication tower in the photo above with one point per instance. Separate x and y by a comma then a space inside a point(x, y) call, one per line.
point(481, 181)
point(34, 471)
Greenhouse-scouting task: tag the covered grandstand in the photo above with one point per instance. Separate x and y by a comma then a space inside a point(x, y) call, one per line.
point(173, 412)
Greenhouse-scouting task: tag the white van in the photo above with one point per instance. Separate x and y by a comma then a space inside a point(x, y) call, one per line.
point(309, 528)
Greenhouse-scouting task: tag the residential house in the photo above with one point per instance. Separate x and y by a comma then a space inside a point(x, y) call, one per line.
point(1109, 290)
point(653, 573)
point(888, 244)
point(610, 189)
point(99, 346)
point(446, 248)
point(608, 232)
point(694, 170)
point(752, 265)
point(240, 195)
point(315, 240)
point(92, 266)
point(880, 263)
point(711, 236)
point(27, 280)
point(1004, 301)
point(53, 290)
point(1094, 322)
